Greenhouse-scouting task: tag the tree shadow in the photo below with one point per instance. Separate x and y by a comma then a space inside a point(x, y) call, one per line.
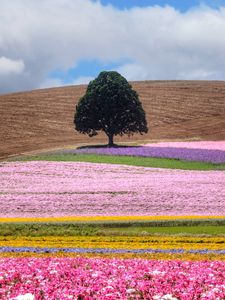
point(107, 146)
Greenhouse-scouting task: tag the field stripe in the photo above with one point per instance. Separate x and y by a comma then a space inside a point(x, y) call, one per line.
point(151, 256)
point(116, 242)
point(107, 218)
point(109, 250)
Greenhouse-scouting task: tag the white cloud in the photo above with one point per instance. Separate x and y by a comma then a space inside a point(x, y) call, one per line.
point(10, 66)
point(161, 42)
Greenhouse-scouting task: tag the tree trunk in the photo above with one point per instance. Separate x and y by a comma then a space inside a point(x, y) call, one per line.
point(110, 137)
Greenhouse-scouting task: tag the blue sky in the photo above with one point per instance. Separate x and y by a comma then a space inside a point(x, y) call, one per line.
point(72, 41)
point(181, 5)
point(84, 68)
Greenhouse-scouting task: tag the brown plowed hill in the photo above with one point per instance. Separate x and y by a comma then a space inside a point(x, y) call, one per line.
point(43, 119)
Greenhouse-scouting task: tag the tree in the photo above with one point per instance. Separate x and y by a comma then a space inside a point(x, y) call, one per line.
point(110, 105)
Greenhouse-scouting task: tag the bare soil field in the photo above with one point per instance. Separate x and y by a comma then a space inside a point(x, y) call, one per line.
point(42, 120)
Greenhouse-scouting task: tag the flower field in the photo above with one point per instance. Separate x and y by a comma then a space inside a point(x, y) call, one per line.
point(28, 188)
point(114, 244)
point(91, 231)
point(116, 219)
point(207, 151)
point(203, 145)
point(94, 278)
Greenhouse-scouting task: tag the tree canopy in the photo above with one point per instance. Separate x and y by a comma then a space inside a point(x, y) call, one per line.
point(110, 105)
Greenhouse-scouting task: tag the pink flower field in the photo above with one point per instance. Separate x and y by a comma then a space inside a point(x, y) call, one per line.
point(41, 189)
point(204, 145)
point(112, 279)
point(58, 189)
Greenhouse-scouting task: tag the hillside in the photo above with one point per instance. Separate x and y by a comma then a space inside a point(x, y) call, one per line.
point(43, 119)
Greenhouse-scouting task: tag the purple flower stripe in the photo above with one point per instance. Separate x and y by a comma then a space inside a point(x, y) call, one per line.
point(204, 155)
point(106, 250)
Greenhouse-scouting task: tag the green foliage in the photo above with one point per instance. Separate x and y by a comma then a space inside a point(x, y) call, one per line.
point(110, 105)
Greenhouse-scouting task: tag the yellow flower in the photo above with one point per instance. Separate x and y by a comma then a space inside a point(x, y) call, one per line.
point(107, 218)
point(117, 242)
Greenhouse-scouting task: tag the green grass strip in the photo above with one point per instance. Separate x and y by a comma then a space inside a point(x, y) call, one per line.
point(180, 230)
point(134, 229)
point(129, 160)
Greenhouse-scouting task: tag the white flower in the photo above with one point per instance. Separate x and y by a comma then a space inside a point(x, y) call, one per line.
point(131, 291)
point(165, 297)
point(156, 272)
point(156, 297)
point(168, 297)
point(27, 296)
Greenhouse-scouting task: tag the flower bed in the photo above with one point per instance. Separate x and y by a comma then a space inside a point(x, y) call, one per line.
point(58, 267)
point(106, 219)
point(213, 152)
point(110, 243)
point(98, 278)
point(54, 189)
point(204, 145)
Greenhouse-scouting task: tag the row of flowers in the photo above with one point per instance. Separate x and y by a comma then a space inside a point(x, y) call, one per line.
point(83, 219)
point(100, 278)
point(75, 188)
point(107, 250)
point(213, 152)
point(117, 243)
point(187, 256)
point(204, 145)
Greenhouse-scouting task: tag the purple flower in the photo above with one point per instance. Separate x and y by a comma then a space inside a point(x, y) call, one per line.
point(162, 151)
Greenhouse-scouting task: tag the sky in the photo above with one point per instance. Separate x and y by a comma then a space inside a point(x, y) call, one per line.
point(48, 43)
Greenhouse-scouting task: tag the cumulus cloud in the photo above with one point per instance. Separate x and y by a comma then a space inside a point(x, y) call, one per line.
point(10, 66)
point(38, 37)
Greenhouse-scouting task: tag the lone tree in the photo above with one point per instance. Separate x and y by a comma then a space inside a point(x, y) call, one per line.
point(110, 105)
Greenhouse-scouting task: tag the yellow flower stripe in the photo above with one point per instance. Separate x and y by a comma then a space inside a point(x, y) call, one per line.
point(107, 218)
point(161, 256)
point(117, 242)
